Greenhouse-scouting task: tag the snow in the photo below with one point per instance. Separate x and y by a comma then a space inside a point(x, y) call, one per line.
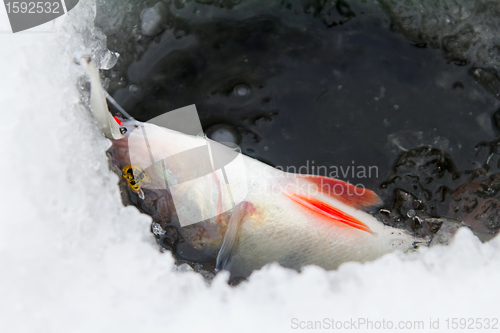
point(73, 259)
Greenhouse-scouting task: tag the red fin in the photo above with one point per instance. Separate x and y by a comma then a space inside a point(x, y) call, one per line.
point(333, 213)
point(354, 196)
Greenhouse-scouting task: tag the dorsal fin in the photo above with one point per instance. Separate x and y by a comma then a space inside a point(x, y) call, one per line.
point(328, 211)
point(349, 194)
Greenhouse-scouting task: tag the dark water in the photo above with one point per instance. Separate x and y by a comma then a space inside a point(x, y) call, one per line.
point(323, 84)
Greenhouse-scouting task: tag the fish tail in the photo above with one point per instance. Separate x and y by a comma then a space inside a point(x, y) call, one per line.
point(108, 125)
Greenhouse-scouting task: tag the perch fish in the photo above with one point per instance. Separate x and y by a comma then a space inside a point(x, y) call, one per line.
point(253, 214)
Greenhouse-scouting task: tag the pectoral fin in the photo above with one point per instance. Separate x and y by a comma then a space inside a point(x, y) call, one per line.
point(230, 242)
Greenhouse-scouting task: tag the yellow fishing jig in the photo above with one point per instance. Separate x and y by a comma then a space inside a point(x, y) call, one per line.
point(135, 177)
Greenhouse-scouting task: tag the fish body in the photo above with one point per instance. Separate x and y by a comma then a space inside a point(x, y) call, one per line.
point(295, 220)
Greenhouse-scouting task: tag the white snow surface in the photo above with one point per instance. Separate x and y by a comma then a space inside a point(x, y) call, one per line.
point(73, 259)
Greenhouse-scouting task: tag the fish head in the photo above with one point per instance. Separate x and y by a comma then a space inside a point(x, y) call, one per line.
point(145, 145)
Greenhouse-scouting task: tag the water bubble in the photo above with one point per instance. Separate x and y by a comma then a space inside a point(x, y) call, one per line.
point(152, 19)
point(224, 134)
point(241, 90)
point(411, 213)
point(109, 60)
point(134, 89)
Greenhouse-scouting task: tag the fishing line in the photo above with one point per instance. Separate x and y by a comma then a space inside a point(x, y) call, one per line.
point(116, 105)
